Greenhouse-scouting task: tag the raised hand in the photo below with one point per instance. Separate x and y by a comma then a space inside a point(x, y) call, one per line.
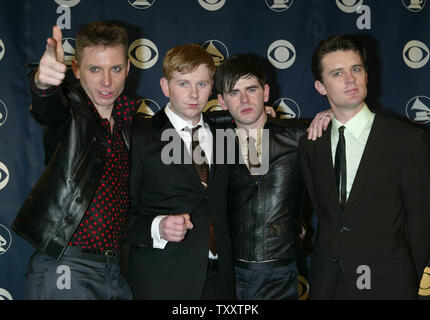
point(52, 70)
point(174, 227)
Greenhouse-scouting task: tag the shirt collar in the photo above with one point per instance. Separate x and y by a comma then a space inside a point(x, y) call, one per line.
point(356, 124)
point(179, 123)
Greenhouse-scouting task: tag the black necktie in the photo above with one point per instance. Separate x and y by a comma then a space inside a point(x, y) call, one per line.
point(340, 167)
point(202, 168)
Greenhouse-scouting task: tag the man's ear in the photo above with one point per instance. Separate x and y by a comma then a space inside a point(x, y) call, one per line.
point(164, 84)
point(319, 86)
point(221, 102)
point(75, 68)
point(266, 92)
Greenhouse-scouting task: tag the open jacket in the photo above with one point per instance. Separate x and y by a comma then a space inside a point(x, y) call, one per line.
point(75, 156)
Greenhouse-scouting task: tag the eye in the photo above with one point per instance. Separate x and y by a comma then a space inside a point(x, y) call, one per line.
point(117, 69)
point(143, 53)
point(203, 84)
point(415, 54)
point(94, 69)
point(232, 93)
point(281, 54)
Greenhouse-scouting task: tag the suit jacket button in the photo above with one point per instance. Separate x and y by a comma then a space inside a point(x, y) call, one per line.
point(344, 229)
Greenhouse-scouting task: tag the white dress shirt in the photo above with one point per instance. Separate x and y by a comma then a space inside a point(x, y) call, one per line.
point(356, 132)
point(205, 142)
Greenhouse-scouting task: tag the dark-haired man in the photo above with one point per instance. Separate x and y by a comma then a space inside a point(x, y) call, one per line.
point(266, 188)
point(76, 213)
point(368, 177)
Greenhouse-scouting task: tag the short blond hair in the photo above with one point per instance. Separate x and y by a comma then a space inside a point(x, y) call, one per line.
point(186, 58)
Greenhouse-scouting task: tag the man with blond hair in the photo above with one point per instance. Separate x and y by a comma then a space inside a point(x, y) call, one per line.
point(178, 228)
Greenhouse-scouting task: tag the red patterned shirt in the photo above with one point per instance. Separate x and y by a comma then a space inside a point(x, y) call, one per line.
point(103, 225)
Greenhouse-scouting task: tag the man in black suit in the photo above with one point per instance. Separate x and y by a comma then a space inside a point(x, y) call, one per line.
point(178, 228)
point(368, 178)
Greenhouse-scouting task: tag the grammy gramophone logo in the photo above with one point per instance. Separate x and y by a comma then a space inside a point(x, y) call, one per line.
point(414, 5)
point(286, 108)
point(217, 50)
point(148, 108)
point(418, 109)
point(5, 239)
point(279, 5)
point(141, 4)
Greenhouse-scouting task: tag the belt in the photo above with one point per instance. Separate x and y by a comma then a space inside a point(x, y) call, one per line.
point(92, 255)
point(262, 264)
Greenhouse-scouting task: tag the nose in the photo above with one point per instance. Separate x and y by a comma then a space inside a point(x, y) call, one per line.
point(244, 97)
point(349, 78)
point(194, 92)
point(106, 80)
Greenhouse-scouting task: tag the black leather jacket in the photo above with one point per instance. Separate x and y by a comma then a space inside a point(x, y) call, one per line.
point(75, 149)
point(265, 213)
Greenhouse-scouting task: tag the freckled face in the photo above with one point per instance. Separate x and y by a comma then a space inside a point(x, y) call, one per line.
point(188, 92)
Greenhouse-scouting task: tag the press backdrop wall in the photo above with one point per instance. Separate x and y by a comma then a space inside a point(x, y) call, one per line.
point(284, 32)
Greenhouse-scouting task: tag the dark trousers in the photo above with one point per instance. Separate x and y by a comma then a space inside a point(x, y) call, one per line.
point(274, 280)
point(76, 276)
point(212, 289)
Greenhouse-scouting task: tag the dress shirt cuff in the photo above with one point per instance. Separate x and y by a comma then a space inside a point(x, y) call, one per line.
point(157, 242)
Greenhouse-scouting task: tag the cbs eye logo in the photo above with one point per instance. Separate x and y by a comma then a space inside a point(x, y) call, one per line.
point(415, 54)
point(5, 295)
point(281, 54)
point(143, 53)
point(148, 107)
point(212, 5)
point(2, 49)
point(67, 3)
point(279, 5)
point(4, 175)
point(3, 113)
point(141, 4)
point(349, 6)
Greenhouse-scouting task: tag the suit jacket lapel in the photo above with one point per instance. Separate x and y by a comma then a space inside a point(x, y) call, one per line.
point(326, 166)
point(367, 162)
point(162, 122)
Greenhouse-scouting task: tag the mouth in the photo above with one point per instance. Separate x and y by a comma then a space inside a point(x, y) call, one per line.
point(105, 94)
point(193, 105)
point(351, 91)
point(246, 110)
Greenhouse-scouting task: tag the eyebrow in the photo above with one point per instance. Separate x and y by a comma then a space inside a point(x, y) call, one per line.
point(246, 88)
point(340, 69)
